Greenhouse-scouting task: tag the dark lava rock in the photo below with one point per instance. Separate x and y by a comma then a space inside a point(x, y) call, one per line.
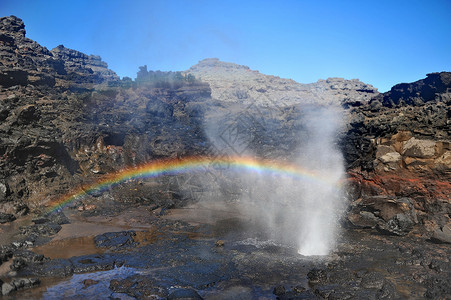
point(18, 264)
point(24, 257)
point(5, 218)
point(6, 252)
point(437, 288)
point(46, 229)
point(21, 209)
point(185, 294)
point(325, 291)
point(24, 283)
point(388, 291)
point(58, 218)
point(279, 290)
point(400, 224)
point(372, 281)
point(138, 286)
point(121, 286)
point(40, 220)
point(29, 256)
point(91, 263)
point(51, 268)
point(294, 295)
point(18, 284)
point(439, 266)
point(317, 276)
point(388, 214)
point(116, 240)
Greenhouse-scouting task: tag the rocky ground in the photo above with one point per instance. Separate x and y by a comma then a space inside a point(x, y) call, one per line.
point(67, 120)
point(135, 249)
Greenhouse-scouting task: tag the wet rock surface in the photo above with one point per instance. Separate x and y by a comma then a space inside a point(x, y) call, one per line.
point(178, 259)
point(116, 240)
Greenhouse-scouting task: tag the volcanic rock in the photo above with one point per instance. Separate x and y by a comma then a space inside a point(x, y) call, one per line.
point(6, 252)
point(237, 83)
point(5, 218)
point(397, 145)
point(437, 288)
point(116, 240)
point(65, 113)
point(392, 215)
point(443, 234)
point(92, 263)
point(317, 276)
point(7, 288)
point(139, 286)
point(50, 268)
point(185, 294)
point(418, 148)
point(66, 120)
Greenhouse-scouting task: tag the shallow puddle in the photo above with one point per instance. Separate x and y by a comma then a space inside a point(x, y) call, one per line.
point(67, 248)
point(80, 286)
point(9, 230)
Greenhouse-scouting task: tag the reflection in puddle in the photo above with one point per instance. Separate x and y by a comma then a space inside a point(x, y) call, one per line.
point(9, 230)
point(76, 287)
point(68, 248)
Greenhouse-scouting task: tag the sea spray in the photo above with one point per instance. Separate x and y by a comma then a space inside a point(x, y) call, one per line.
point(321, 202)
point(289, 209)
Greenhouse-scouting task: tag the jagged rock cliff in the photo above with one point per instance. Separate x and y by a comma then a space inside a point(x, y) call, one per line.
point(230, 82)
point(398, 146)
point(65, 117)
point(23, 61)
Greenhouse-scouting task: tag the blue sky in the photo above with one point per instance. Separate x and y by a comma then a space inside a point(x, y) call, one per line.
point(380, 42)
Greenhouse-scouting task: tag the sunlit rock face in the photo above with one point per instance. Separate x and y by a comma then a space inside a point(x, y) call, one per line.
point(239, 84)
point(25, 62)
point(64, 114)
point(398, 148)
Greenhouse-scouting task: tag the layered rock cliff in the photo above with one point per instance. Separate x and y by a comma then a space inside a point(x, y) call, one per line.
point(398, 147)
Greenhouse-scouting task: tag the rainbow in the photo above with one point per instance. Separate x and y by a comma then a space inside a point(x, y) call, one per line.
point(185, 165)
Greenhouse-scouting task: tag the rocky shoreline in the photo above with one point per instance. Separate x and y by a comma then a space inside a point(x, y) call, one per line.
point(67, 121)
point(165, 254)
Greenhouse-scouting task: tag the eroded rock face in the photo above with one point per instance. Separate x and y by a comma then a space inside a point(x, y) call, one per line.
point(232, 83)
point(66, 117)
point(407, 152)
point(23, 62)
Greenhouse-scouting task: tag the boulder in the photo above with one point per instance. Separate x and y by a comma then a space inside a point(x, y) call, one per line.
point(388, 214)
point(400, 224)
point(7, 288)
point(116, 240)
point(387, 158)
point(442, 235)
point(391, 157)
point(6, 218)
point(419, 148)
point(443, 163)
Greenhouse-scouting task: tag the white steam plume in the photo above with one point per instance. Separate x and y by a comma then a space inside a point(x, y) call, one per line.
point(303, 212)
